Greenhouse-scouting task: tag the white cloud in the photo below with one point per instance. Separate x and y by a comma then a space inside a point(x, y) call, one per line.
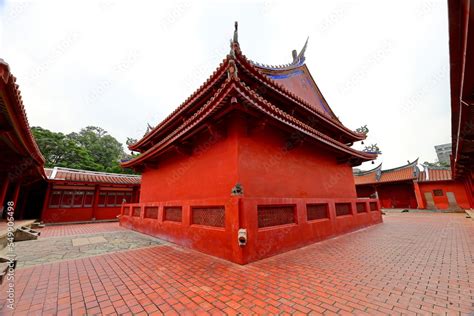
point(121, 65)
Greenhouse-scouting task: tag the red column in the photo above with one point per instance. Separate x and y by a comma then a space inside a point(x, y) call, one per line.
point(16, 194)
point(419, 197)
point(468, 188)
point(46, 200)
point(96, 201)
point(24, 202)
point(3, 192)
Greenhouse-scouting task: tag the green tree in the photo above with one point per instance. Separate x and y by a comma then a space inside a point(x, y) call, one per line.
point(59, 150)
point(90, 149)
point(104, 149)
point(437, 164)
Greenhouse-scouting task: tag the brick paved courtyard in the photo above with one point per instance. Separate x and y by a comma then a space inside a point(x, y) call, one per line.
point(411, 264)
point(80, 229)
point(46, 250)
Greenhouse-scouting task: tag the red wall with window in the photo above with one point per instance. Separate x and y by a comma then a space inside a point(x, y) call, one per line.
point(84, 203)
point(441, 188)
point(277, 183)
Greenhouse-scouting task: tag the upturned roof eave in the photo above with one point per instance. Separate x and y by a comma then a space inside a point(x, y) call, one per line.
point(296, 99)
point(205, 87)
point(18, 118)
point(245, 62)
point(225, 88)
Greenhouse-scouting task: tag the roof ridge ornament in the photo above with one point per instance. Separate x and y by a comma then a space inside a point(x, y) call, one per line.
point(236, 32)
point(234, 42)
point(299, 58)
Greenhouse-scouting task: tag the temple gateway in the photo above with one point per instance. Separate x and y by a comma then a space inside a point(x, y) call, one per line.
point(252, 164)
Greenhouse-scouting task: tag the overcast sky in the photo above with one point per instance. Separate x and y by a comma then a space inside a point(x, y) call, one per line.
point(120, 65)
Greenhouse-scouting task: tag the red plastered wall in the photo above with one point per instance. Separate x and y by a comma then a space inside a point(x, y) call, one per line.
point(397, 195)
point(268, 169)
point(441, 202)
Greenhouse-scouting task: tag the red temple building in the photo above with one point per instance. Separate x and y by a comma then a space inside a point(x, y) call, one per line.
point(79, 195)
point(461, 50)
point(252, 164)
point(408, 187)
point(22, 178)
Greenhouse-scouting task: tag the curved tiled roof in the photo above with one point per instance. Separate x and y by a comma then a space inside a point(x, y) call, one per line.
point(406, 172)
point(435, 174)
point(76, 175)
point(11, 106)
point(216, 90)
point(215, 102)
point(368, 176)
point(302, 91)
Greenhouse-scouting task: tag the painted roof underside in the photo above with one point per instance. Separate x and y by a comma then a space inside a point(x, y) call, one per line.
point(299, 81)
point(75, 175)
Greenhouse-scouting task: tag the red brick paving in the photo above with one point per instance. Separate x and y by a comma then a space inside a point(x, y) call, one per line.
point(79, 229)
point(412, 264)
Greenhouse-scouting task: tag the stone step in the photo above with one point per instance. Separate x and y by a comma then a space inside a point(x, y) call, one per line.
point(25, 233)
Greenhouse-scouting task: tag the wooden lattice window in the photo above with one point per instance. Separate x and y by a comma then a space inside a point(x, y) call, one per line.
point(173, 214)
point(102, 198)
point(78, 199)
point(120, 198)
point(55, 199)
point(373, 206)
point(317, 211)
point(66, 200)
point(343, 209)
point(276, 215)
point(127, 197)
point(88, 198)
point(438, 192)
point(151, 212)
point(136, 211)
point(361, 207)
point(209, 216)
point(111, 199)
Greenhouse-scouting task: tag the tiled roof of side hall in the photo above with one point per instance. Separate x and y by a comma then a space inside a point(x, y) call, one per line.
point(406, 172)
point(76, 175)
point(434, 174)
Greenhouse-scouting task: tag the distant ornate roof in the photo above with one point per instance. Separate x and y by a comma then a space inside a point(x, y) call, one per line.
point(410, 171)
point(434, 174)
point(87, 176)
point(238, 80)
point(369, 176)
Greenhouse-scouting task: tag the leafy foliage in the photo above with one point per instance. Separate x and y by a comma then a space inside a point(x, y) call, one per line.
point(90, 149)
point(437, 164)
